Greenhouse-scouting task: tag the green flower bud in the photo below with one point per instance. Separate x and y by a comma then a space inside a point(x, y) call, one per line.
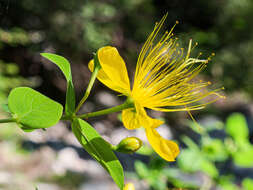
point(129, 145)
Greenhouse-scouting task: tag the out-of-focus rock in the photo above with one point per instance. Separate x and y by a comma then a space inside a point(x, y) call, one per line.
point(68, 159)
point(47, 186)
point(5, 177)
point(87, 107)
point(70, 139)
point(51, 134)
point(106, 99)
point(101, 185)
point(100, 127)
point(164, 131)
point(39, 163)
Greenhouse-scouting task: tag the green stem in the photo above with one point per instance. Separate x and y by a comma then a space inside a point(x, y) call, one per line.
point(87, 93)
point(8, 120)
point(125, 105)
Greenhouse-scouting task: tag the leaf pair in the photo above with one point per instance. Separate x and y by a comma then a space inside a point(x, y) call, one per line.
point(32, 110)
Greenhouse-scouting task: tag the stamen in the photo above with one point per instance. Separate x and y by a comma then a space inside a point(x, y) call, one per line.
point(193, 119)
point(189, 50)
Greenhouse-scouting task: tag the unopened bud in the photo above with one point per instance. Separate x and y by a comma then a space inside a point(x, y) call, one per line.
point(129, 145)
point(129, 186)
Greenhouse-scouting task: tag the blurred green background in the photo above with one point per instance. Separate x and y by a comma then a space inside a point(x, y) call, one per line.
point(218, 157)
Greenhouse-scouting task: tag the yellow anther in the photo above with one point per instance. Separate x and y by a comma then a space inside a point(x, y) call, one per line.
point(177, 22)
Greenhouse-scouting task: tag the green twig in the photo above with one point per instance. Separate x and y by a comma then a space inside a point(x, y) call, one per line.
point(127, 104)
point(8, 120)
point(87, 93)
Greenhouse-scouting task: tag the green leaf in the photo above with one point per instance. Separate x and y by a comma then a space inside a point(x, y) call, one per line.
point(247, 184)
point(64, 65)
point(209, 168)
point(32, 109)
point(185, 160)
point(229, 186)
point(99, 149)
point(141, 169)
point(214, 149)
point(236, 126)
point(190, 143)
point(243, 158)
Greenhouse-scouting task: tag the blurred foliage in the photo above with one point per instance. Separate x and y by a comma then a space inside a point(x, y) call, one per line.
point(78, 28)
point(216, 158)
point(9, 79)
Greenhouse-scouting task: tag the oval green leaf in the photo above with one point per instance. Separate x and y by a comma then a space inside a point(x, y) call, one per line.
point(247, 184)
point(32, 109)
point(64, 65)
point(243, 158)
point(99, 149)
point(237, 127)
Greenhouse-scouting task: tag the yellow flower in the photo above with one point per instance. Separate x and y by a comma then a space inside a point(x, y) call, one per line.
point(163, 81)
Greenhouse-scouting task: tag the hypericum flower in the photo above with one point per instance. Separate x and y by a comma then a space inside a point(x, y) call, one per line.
point(163, 81)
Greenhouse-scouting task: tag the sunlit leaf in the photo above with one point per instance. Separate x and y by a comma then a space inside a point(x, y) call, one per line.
point(32, 109)
point(190, 160)
point(237, 127)
point(244, 157)
point(214, 149)
point(247, 184)
point(209, 168)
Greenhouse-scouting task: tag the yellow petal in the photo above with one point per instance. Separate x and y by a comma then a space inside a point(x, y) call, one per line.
point(113, 72)
point(101, 74)
point(167, 149)
point(134, 118)
point(131, 119)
